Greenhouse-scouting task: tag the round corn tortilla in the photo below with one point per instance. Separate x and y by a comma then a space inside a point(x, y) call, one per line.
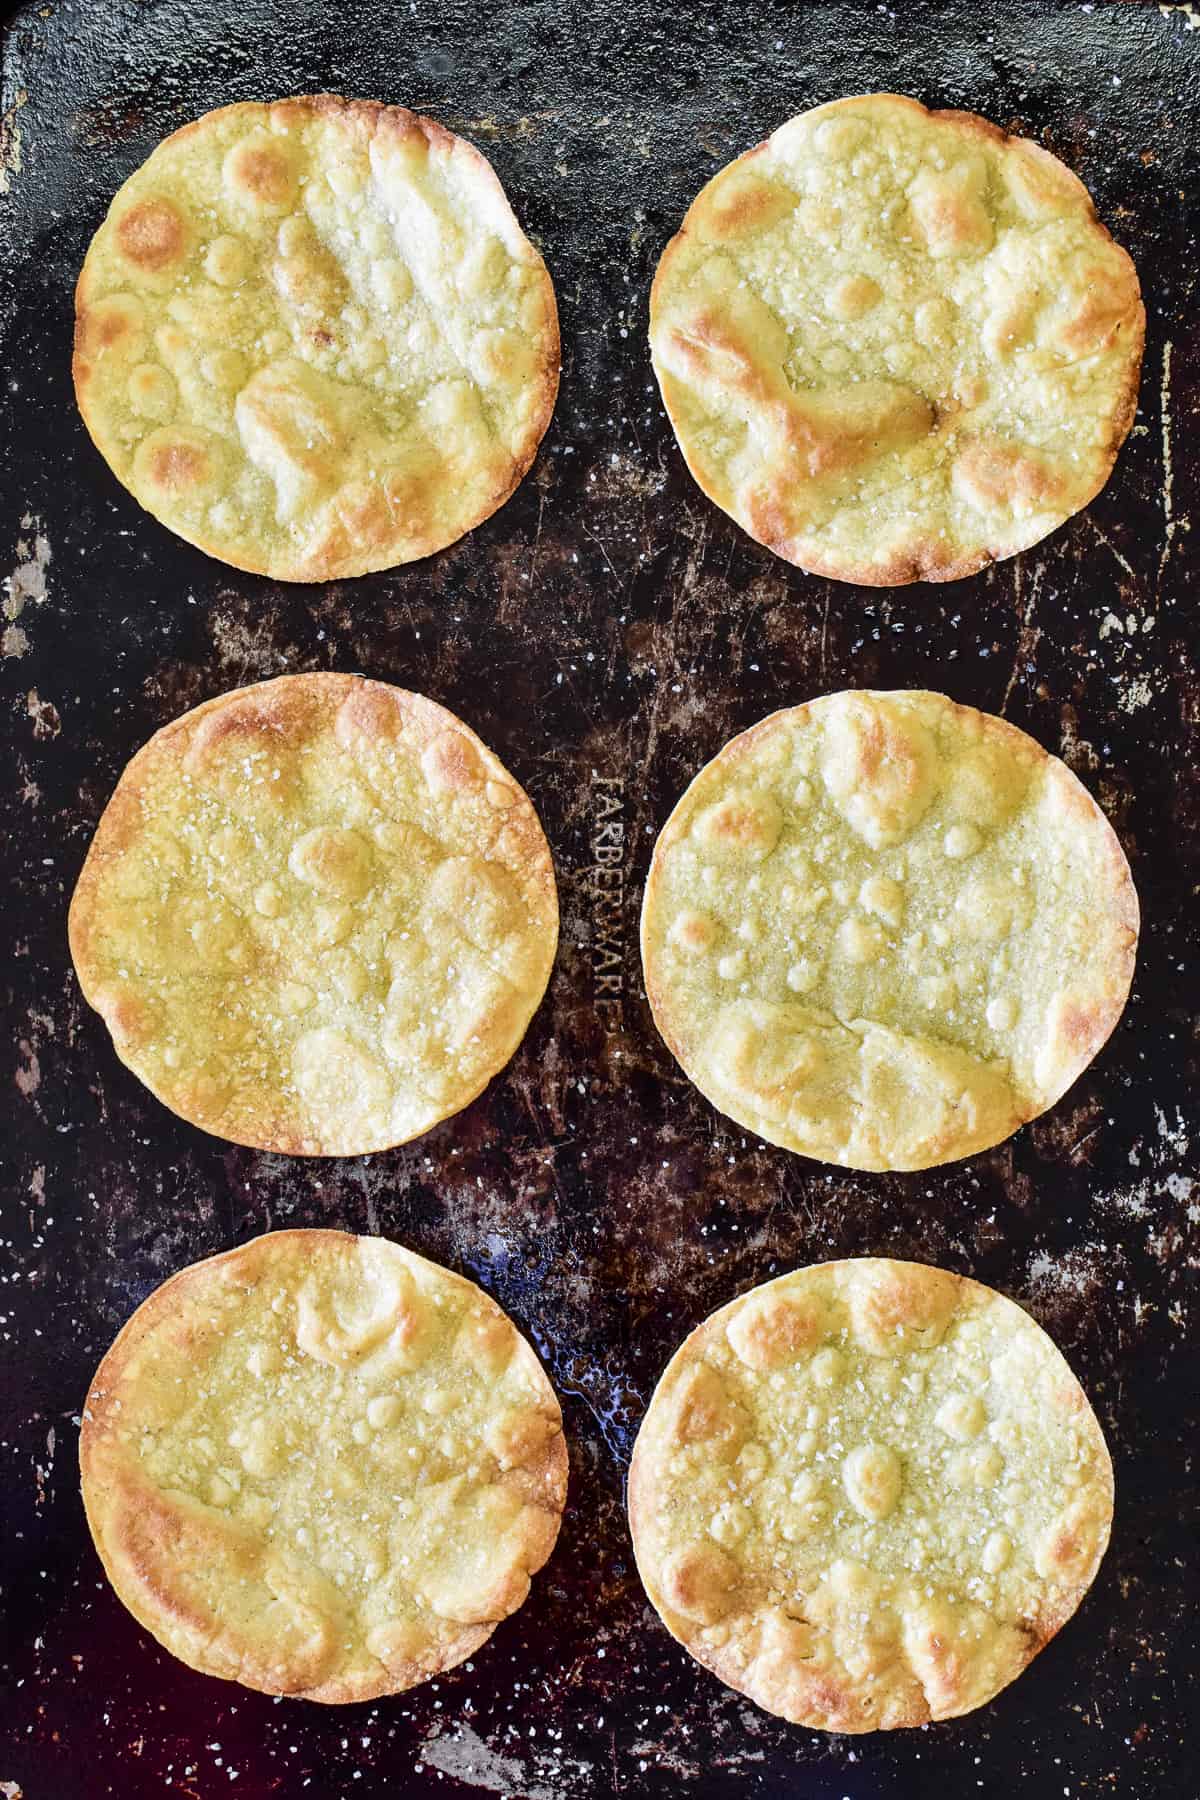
point(866, 1494)
point(885, 930)
point(317, 915)
point(896, 345)
point(312, 339)
point(321, 1466)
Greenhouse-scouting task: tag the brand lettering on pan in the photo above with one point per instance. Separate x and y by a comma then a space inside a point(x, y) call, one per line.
point(606, 883)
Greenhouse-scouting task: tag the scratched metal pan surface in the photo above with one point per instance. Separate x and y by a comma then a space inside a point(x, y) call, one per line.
point(606, 632)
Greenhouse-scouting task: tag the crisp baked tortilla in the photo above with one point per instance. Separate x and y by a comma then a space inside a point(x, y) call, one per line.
point(896, 345)
point(317, 915)
point(321, 1465)
point(886, 930)
point(312, 338)
point(866, 1494)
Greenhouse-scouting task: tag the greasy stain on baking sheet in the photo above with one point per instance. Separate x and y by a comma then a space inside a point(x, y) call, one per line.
point(606, 632)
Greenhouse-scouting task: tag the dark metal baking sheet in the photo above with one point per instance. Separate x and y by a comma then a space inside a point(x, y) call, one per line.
point(606, 632)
